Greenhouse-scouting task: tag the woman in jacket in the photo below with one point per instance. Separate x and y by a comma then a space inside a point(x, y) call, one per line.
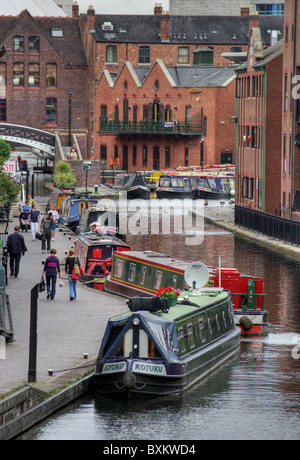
point(71, 260)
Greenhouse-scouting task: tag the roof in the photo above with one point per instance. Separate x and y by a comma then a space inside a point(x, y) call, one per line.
point(268, 55)
point(35, 8)
point(198, 30)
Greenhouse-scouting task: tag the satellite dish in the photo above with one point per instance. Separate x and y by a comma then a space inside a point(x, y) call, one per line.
point(196, 275)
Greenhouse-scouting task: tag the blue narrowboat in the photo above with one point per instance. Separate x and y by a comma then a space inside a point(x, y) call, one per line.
point(71, 209)
point(214, 186)
point(175, 186)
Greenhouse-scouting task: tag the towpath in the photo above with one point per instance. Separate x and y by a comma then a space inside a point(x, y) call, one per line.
point(66, 329)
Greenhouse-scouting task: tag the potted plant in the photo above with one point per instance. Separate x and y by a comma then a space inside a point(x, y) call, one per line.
point(170, 293)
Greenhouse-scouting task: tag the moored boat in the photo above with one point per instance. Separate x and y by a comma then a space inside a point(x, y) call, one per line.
point(144, 273)
point(95, 250)
point(71, 208)
point(99, 216)
point(174, 186)
point(156, 350)
point(214, 186)
point(133, 184)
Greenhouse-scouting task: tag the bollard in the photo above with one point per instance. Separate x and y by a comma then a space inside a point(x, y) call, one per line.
point(96, 188)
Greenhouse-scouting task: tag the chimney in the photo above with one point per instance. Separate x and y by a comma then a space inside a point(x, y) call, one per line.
point(165, 29)
point(245, 10)
point(158, 10)
point(253, 21)
point(91, 18)
point(75, 10)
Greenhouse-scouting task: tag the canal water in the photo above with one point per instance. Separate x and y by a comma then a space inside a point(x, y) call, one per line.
point(256, 395)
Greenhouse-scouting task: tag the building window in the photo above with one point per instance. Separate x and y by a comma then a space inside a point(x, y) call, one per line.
point(156, 85)
point(203, 56)
point(2, 109)
point(3, 74)
point(135, 112)
point(168, 157)
point(51, 109)
point(284, 153)
point(57, 33)
point(144, 55)
point(18, 44)
point(116, 113)
point(125, 110)
point(51, 75)
point(111, 53)
point(18, 74)
point(34, 75)
point(145, 156)
point(134, 155)
point(253, 137)
point(183, 55)
point(186, 157)
point(285, 91)
point(34, 44)
point(268, 9)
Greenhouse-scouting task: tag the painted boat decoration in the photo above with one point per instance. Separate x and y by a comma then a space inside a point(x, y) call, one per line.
point(95, 250)
point(144, 273)
point(155, 350)
point(71, 209)
point(133, 184)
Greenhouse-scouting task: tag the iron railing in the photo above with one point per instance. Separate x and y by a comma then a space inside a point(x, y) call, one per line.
point(267, 224)
point(153, 127)
point(6, 322)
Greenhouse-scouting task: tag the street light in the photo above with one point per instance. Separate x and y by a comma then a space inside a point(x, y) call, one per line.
point(70, 117)
point(86, 166)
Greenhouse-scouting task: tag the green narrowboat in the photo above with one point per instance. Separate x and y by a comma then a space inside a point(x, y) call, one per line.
point(100, 216)
point(145, 272)
point(157, 350)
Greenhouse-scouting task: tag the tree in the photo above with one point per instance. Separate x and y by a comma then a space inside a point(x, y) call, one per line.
point(9, 190)
point(63, 175)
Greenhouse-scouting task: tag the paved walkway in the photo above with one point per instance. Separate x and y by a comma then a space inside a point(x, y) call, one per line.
point(66, 329)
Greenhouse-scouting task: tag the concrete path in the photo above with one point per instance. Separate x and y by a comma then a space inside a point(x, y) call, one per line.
point(66, 329)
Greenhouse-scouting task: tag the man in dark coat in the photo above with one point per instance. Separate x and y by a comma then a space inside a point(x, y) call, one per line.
point(15, 247)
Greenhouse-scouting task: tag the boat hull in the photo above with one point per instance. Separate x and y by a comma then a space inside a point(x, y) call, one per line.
point(139, 378)
point(173, 194)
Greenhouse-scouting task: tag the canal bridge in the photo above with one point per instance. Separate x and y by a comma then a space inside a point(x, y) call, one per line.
point(31, 137)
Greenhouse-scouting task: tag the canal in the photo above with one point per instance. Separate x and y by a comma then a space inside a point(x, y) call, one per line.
point(254, 396)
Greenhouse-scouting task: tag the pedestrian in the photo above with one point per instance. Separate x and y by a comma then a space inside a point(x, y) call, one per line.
point(34, 220)
point(118, 163)
point(71, 260)
point(55, 217)
point(16, 248)
point(51, 269)
point(46, 230)
point(111, 162)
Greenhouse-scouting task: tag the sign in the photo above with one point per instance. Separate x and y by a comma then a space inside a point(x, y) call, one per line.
point(148, 368)
point(112, 368)
point(169, 124)
point(10, 167)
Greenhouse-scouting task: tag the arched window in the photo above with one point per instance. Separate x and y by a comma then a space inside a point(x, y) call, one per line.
point(34, 44)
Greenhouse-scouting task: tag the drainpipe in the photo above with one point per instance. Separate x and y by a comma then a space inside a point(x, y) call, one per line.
point(263, 142)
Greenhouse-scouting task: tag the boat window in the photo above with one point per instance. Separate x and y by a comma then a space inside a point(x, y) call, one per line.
point(218, 323)
point(158, 278)
point(118, 350)
point(131, 272)
point(202, 330)
point(177, 182)
point(181, 341)
point(202, 182)
point(194, 181)
point(165, 182)
point(211, 182)
point(119, 268)
point(191, 337)
point(224, 319)
point(225, 185)
point(186, 183)
point(174, 281)
point(144, 269)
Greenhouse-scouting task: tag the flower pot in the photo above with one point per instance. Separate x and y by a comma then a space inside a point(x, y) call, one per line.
point(172, 301)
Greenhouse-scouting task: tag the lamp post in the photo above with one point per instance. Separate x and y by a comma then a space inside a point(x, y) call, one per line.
point(86, 166)
point(201, 152)
point(70, 118)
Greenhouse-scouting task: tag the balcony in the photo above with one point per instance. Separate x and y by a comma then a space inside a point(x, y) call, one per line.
point(182, 128)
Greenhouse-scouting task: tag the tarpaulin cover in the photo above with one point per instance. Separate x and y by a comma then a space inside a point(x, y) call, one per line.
point(160, 330)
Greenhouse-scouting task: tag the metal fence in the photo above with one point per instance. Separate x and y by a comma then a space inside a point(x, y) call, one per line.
point(6, 322)
point(267, 224)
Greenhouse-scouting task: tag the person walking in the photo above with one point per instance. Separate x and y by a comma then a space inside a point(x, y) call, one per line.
point(71, 260)
point(46, 230)
point(34, 220)
point(55, 217)
point(16, 247)
point(51, 269)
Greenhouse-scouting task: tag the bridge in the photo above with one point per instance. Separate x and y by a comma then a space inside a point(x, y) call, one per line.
point(30, 137)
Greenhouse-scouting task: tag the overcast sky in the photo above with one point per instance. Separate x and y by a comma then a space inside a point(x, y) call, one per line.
point(121, 6)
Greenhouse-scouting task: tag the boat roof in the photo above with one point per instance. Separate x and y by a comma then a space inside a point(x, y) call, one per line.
point(156, 258)
point(96, 239)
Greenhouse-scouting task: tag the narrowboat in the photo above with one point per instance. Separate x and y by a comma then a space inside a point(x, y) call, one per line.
point(156, 350)
point(71, 208)
point(133, 184)
point(94, 251)
point(214, 186)
point(144, 273)
point(97, 216)
point(174, 186)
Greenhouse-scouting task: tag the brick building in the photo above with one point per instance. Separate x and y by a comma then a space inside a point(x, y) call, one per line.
point(165, 117)
point(178, 41)
point(45, 69)
point(290, 168)
point(258, 144)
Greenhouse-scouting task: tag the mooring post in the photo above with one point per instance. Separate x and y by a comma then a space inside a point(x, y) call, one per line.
point(33, 334)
